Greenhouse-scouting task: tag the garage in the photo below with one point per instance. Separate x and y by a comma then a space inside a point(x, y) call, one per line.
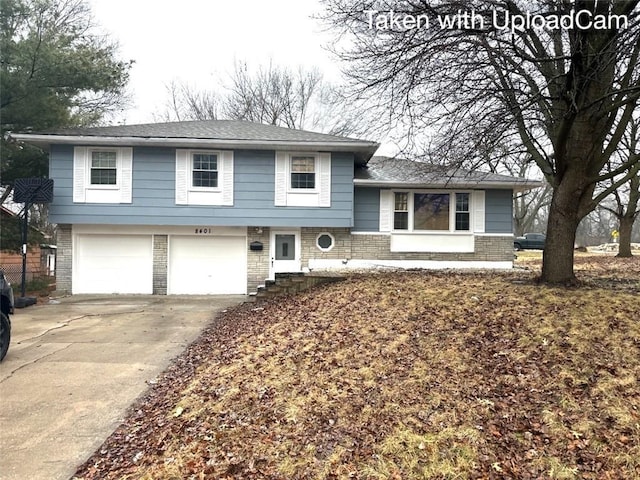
point(113, 264)
point(204, 265)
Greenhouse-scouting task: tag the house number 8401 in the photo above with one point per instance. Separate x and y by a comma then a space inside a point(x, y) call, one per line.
point(204, 231)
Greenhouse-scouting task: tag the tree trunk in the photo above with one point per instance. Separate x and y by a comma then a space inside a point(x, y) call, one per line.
point(624, 245)
point(557, 259)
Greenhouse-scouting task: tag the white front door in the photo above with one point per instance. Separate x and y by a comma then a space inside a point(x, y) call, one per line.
point(285, 252)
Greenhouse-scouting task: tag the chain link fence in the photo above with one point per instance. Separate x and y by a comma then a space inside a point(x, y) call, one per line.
point(13, 273)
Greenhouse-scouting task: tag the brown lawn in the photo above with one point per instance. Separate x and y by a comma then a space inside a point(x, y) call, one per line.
point(412, 375)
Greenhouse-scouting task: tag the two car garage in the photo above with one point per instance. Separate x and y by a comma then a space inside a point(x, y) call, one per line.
point(194, 264)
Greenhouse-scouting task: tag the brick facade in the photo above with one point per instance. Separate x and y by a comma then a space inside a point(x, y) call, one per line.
point(258, 262)
point(340, 251)
point(494, 248)
point(64, 259)
point(160, 256)
point(487, 249)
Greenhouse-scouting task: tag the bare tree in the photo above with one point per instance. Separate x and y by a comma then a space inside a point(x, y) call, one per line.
point(187, 103)
point(530, 209)
point(272, 94)
point(595, 228)
point(268, 94)
point(564, 94)
point(627, 214)
point(624, 202)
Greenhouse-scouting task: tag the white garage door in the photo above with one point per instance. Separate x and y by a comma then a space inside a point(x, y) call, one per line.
point(207, 265)
point(113, 264)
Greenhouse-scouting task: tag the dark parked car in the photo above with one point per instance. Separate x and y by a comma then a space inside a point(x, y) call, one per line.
point(6, 307)
point(529, 241)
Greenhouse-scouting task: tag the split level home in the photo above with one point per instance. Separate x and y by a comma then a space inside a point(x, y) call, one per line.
point(218, 207)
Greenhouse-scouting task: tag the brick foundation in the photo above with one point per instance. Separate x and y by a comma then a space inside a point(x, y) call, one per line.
point(378, 247)
point(487, 249)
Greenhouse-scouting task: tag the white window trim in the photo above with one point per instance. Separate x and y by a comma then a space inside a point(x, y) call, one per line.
point(92, 186)
point(285, 196)
point(187, 194)
point(452, 212)
point(85, 192)
point(333, 242)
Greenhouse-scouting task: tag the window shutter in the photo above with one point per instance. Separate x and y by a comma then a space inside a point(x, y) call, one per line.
point(183, 170)
point(386, 210)
point(80, 166)
point(325, 179)
point(477, 200)
point(227, 178)
point(126, 172)
point(281, 179)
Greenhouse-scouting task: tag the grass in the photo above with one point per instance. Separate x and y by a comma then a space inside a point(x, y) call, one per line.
point(420, 375)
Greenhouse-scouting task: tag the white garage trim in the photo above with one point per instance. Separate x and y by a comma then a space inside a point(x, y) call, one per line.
point(205, 265)
point(157, 229)
point(112, 264)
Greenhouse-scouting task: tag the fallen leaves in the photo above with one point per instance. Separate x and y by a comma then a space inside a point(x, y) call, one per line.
point(401, 375)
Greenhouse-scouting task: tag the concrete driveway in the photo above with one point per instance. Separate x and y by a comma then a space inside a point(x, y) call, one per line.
point(74, 367)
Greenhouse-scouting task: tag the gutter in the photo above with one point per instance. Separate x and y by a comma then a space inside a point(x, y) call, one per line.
point(525, 184)
point(40, 139)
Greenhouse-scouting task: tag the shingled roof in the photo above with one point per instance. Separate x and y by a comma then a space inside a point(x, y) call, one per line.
point(401, 173)
point(205, 133)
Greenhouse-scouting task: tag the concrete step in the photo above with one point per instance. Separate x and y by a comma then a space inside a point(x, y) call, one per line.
point(292, 283)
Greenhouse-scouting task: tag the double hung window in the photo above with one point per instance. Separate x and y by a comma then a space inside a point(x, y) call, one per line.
point(303, 172)
point(104, 167)
point(303, 179)
point(462, 211)
point(205, 170)
point(401, 211)
point(204, 177)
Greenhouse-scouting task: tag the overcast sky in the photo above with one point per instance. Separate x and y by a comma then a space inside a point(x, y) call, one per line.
point(197, 41)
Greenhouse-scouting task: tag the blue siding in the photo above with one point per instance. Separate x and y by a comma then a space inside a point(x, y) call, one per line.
point(366, 209)
point(153, 201)
point(499, 211)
